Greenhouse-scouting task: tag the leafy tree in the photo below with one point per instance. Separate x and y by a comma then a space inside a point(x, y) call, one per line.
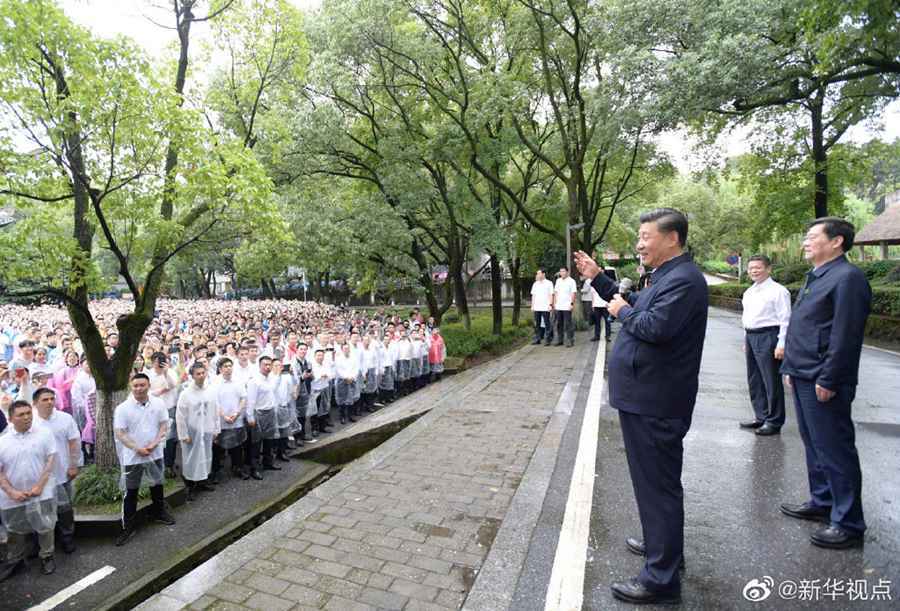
point(115, 159)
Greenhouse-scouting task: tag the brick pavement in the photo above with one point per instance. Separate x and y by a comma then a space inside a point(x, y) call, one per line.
point(408, 525)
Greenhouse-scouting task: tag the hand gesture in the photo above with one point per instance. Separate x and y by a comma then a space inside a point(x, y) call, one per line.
point(617, 303)
point(587, 267)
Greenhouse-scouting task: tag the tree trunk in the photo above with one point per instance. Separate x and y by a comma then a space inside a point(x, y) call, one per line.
point(820, 158)
point(456, 275)
point(496, 295)
point(267, 290)
point(517, 289)
point(107, 459)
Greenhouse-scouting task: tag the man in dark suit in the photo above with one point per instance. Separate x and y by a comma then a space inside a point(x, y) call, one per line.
point(821, 364)
point(653, 379)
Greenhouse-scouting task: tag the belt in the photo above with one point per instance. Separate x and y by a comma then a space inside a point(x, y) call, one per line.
point(762, 329)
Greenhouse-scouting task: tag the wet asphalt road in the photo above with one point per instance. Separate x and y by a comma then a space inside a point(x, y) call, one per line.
point(734, 482)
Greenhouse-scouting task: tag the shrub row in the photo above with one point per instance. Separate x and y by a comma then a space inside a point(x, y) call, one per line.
point(885, 299)
point(463, 343)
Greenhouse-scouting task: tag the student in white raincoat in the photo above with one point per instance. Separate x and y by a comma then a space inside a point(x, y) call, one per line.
point(198, 424)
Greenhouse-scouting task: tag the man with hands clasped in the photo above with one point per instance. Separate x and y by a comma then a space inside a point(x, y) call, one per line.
point(653, 379)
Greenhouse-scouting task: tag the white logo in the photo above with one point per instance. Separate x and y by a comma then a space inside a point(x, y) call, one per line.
point(757, 590)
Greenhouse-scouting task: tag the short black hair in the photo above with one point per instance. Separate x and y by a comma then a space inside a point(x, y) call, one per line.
point(196, 365)
point(16, 405)
point(763, 258)
point(43, 390)
point(668, 220)
point(833, 227)
point(264, 358)
point(140, 376)
point(222, 362)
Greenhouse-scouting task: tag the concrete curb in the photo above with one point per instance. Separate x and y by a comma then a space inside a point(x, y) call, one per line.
point(495, 586)
point(215, 542)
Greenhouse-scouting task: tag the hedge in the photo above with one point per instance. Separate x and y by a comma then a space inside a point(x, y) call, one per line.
point(885, 299)
point(462, 343)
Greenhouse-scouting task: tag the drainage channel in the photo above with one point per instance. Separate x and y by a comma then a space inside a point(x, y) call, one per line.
point(331, 457)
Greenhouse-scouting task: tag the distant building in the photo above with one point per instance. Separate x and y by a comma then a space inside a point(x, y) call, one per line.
point(884, 230)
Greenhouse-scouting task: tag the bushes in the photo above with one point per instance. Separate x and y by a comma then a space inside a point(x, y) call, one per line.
point(790, 273)
point(462, 343)
point(885, 299)
point(94, 488)
point(878, 272)
point(717, 267)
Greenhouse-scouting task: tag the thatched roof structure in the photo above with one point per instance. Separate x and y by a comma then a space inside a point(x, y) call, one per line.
point(884, 228)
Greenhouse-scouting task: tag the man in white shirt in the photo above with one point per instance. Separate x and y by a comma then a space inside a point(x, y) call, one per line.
point(261, 415)
point(541, 298)
point(68, 458)
point(27, 489)
point(564, 292)
point(164, 386)
point(320, 391)
point(767, 310)
point(230, 398)
point(140, 424)
point(599, 312)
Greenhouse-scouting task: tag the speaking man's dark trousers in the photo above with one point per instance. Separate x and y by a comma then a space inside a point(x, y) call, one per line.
point(832, 463)
point(764, 377)
point(654, 450)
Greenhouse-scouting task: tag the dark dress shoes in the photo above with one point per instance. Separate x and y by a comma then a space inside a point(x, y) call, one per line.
point(637, 547)
point(255, 474)
point(752, 424)
point(125, 536)
point(806, 511)
point(767, 429)
point(835, 537)
point(205, 487)
point(636, 593)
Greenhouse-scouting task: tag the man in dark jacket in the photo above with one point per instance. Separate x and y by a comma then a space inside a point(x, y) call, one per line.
point(653, 379)
point(821, 363)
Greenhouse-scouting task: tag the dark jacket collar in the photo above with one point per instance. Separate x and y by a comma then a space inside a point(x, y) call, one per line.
point(819, 271)
point(668, 266)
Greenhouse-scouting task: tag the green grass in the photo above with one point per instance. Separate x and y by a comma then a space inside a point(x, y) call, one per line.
point(98, 491)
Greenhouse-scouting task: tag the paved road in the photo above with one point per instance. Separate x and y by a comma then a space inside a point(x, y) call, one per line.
point(734, 483)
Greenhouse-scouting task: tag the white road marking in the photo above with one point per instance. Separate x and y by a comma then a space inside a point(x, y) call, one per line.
point(82, 584)
point(566, 589)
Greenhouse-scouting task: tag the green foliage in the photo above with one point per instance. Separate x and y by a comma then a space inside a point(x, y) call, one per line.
point(99, 487)
point(881, 272)
point(885, 299)
point(462, 343)
point(790, 273)
point(717, 267)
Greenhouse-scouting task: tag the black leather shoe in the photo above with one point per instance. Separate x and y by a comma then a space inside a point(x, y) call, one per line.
point(558, 344)
point(767, 429)
point(48, 565)
point(636, 593)
point(637, 547)
point(245, 474)
point(271, 468)
point(595, 339)
point(68, 546)
point(283, 458)
point(255, 474)
point(835, 537)
point(205, 487)
point(164, 517)
point(752, 424)
point(806, 511)
point(536, 342)
point(124, 537)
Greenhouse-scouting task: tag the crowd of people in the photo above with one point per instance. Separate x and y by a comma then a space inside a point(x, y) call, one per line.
point(243, 382)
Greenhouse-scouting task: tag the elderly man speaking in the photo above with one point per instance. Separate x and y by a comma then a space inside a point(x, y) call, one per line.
point(653, 378)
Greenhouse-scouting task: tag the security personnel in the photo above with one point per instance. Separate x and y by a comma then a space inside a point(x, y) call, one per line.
point(821, 363)
point(658, 350)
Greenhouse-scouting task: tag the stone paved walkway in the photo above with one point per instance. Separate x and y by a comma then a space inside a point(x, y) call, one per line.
point(409, 525)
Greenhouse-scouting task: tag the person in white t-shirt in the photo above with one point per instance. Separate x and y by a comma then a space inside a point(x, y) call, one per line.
point(140, 424)
point(541, 300)
point(68, 459)
point(27, 488)
point(564, 292)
